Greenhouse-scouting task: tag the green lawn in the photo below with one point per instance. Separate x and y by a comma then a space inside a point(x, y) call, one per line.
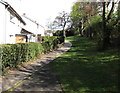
point(83, 69)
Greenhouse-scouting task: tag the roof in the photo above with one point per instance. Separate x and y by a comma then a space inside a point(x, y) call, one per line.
point(23, 31)
point(12, 11)
point(20, 35)
point(24, 15)
point(30, 19)
point(49, 31)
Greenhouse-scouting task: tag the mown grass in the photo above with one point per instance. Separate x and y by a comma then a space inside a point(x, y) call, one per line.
point(83, 69)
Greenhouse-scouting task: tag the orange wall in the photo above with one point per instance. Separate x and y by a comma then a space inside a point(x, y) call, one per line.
point(20, 39)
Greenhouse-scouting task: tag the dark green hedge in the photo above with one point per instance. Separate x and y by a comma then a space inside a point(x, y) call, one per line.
point(58, 33)
point(50, 42)
point(13, 55)
point(47, 38)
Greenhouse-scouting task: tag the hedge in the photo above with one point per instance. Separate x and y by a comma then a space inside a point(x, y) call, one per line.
point(58, 33)
point(13, 55)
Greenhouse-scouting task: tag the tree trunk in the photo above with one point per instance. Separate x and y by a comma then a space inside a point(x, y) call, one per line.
point(112, 8)
point(64, 34)
point(82, 27)
point(106, 33)
point(89, 31)
point(119, 10)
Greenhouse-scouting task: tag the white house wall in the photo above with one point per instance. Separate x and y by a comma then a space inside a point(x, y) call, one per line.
point(32, 27)
point(8, 29)
point(12, 27)
point(41, 31)
point(2, 24)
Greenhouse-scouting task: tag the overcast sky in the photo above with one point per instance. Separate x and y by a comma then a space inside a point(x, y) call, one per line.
point(44, 10)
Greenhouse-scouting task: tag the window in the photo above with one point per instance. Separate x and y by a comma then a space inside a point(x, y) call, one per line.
point(11, 19)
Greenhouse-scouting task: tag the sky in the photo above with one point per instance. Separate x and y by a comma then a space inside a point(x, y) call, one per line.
point(44, 11)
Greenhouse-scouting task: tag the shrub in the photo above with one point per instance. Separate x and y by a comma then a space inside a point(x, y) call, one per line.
point(61, 39)
point(13, 55)
point(58, 33)
point(51, 43)
point(47, 38)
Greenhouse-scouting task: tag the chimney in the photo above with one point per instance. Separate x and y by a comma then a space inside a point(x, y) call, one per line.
point(24, 14)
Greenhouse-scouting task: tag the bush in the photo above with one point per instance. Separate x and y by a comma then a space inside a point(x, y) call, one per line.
point(47, 38)
point(13, 55)
point(51, 43)
point(61, 39)
point(58, 33)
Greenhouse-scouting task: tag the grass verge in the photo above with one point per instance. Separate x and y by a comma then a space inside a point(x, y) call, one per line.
point(83, 69)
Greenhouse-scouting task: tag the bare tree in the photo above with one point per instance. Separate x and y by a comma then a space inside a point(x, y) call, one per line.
point(62, 21)
point(49, 24)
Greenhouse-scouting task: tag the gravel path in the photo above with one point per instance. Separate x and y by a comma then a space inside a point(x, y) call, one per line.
point(36, 77)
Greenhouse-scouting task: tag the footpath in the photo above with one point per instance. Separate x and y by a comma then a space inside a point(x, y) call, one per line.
point(35, 77)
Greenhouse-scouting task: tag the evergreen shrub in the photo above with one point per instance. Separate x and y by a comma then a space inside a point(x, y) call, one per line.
point(13, 55)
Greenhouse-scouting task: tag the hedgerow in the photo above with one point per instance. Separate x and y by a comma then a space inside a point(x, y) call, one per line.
point(12, 55)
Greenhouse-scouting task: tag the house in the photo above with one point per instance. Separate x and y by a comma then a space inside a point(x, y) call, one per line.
point(15, 28)
point(35, 28)
point(11, 23)
point(49, 33)
point(30, 37)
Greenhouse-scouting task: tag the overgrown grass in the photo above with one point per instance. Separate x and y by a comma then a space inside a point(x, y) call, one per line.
point(83, 69)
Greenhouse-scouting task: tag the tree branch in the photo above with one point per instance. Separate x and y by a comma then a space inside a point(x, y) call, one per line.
point(108, 17)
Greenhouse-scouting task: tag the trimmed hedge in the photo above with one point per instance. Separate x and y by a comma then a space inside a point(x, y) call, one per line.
point(13, 55)
point(50, 42)
point(58, 33)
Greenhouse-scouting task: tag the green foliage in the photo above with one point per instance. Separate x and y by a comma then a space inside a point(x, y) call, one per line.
point(114, 27)
point(76, 16)
point(69, 32)
point(34, 49)
point(12, 55)
point(47, 38)
point(88, 18)
point(58, 33)
point(95, 20)
point(96, 25)
point(61, 39)
point(51, 42)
